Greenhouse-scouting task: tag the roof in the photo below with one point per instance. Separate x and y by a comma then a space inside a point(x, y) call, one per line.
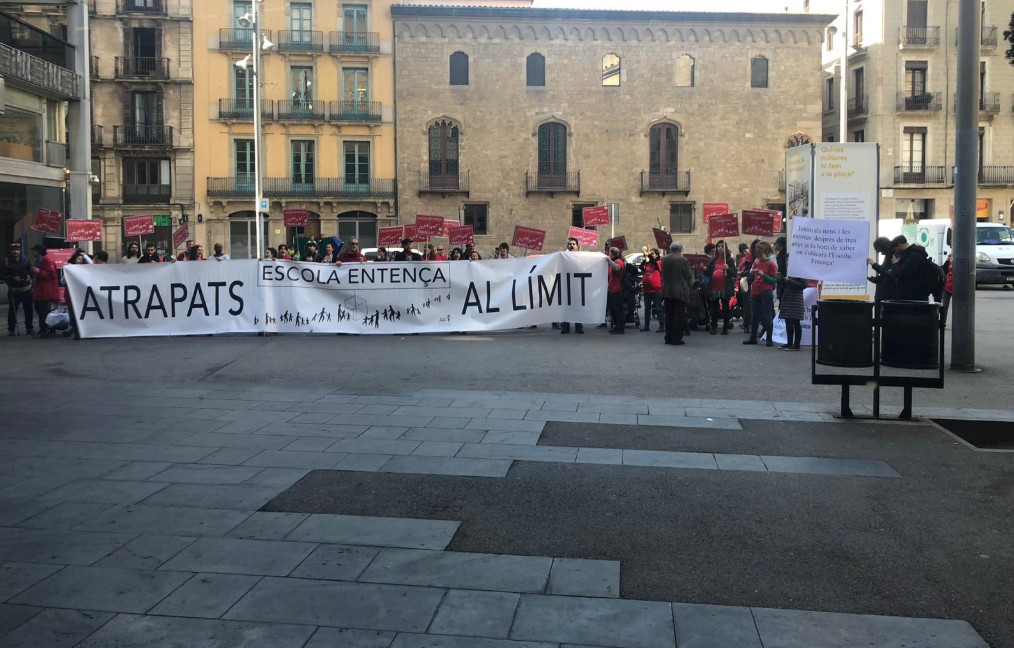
point(445, 11)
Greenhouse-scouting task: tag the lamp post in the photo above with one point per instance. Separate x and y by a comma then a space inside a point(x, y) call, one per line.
point(253, 61)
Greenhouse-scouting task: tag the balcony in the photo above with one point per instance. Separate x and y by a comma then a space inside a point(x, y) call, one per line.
point(290, 40)
point(553, 183)
point(859, 107)
point(147, 194)
point(301, 110)
point(354, 42)
point(663, 184)
point(242, 109)
point(21, 69)
point(142, 67)
point(97, 136)
point(355, 111)
point(989, 102)
point(317, 188)
point(56, 154)
point(145, 7)
point(143, 136)
point(988, 37)
point(931, 175)
point(443, 184)
point(920, 36)
point(996, 176)
point(926, 101)
point(238, 39)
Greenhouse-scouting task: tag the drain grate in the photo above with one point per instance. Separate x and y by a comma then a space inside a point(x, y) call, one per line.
point(988, 435)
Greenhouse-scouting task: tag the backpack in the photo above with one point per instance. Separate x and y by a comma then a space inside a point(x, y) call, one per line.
point(932, 279)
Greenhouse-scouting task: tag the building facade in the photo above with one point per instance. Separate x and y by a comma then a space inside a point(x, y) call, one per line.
point(512, 117)
point(327, 120)
point(901, 80)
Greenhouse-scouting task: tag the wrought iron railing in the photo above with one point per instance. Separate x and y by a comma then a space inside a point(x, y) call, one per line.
point(443, 183)
point(920, 36)
point(301, 110)
point(242, 109)
point(157, 135)
point(923, 101)
point(238, 38)
point(678, 182)
point(294, 40)
point(155, 194)
point(150, 7)
point(242, 187)
point(553, 182)
point(149, 67)
point(354, 111)
point(353, 42)
point(17, 66)
point(858, 107)
point(925, 175)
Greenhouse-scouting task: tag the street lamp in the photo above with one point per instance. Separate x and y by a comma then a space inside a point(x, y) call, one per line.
point(252, 61)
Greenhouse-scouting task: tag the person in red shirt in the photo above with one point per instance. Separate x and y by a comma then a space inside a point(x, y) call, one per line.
point(351, 254)
point(762, 302)
point(722, 271)
point(441, 256)
point(651, 284)
point(617, 313)
point(47, 287)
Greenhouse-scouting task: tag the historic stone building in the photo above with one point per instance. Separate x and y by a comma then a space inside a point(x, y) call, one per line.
point(901, 81)
point(524, 116)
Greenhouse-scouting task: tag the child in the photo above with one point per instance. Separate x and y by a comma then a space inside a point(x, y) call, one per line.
point(762, 305)
point(792, 310)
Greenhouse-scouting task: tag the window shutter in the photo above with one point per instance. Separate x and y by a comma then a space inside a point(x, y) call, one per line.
point(128, 108)
point(158, 42)
point(160, 108)
point(128, 41)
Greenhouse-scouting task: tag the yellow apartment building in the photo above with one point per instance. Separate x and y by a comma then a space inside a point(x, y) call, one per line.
point(327, 107)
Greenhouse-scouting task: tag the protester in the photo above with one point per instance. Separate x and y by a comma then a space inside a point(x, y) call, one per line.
point(101, 257)
point(17, 274)
point(351, 254)
point(573, 245)
point(676, 279)
point(885, 283)
point(503, 251)
point(311, 251)
point(78, 258)
point(782, 261)
point(196, 253)
point(456, 254)
point(133, 254)
point(185, 254)
point(467, 252)
point(219, 255)
point(475, 256)
point(651, 286)
point(150, 255)
point(743, 262)
point(283, 252)
point(762, 303)
point(431, 253)
point(721, 273)
point(614, 300)
point(328, 255)
point(910, 270)
point(406, 253)
point(47, 287)
point(382, 254)
point(270, 254)
point(440, 253)
point(792, 309)
point(945, 302)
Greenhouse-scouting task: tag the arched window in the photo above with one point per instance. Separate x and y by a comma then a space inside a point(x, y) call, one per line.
point(552, 155)
point(535, 70)
point(459, 69)
point(685, 71)
point(663, 148)
point(443, 145)
point(610, 70)
point(758, 72)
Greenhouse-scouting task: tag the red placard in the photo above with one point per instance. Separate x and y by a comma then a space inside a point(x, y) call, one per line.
point(462, 235)
point(528, 238)
point(390, 236)
point(595, 215)
point(84, 230)
point(412, 232)
point(586, 237)
point(758, 222)
point(429, 226)
point(138, 225)
point(48, 221)
point(180, 235)
point(295, 217)
point(698, 261)
point(620, 243)
point(723, 226)
point(448, 226)
point(663, 239)
point(60, 257)
point(712, 209)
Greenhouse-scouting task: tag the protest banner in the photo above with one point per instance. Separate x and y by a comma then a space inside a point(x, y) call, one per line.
point(448, 226)
point(390, 236)
point(759, 222)
point(710, 209)
point(60, 257)
point(48, 221)
point(528, 238)
point(829, 250)
point(592, 216)
point(699, 262)
point(247, 296)
point(723, 226)
point(412, 232)
point(429, 225)
point(84, 230)
point(138, 225)
point(589, 239)
point(462, 235)
point(619, 242)
point(663, 239)
point(180, 235)
point(295, 217)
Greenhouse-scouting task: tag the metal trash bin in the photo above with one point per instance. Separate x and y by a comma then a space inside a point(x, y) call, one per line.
point(845, 333)
point(910, 334)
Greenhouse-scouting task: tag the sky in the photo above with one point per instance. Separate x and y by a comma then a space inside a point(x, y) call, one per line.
point(757, 6)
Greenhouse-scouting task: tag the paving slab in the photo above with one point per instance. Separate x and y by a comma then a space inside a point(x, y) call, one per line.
point(613, 418)
point(384, 432)
point(56, 629)
point(325, 406)
point(476, 614)
point(279, 477)
point(165, 520)
point(238, 556)
point(172, 454)
point(740, 462)
point(689, 422)
point(594, 621)
point(451, 435)
point(314, 417)
point(65, 515)
point(507, 413)
point(566, 417)
point(460, 466)
point(600, 456)
point(374, 446)
point(12, 616)
point(381, 419)
point(577, 577)
point(138, 470)
point(146, 552)
point(363, 462)
point(404, 640)
point(132, 631)
point(225, 440)
point(449, 422)
point(267, 526)
point(616, 406)
point(310, 444)
point(505, 424)
point(478, 571)
point(801, 629)
point(290, 459)
point(241, 497)
point(319, 602)
point(16, 577)
point(206, 596)
point(826, 466)
point(58, 547)
point(514, 437)
point(518, 452)
point(349, 638)
point(14, 510)
point(230, 456)
point(695, 460)
point(103, 588)
point(437, 449)
point(714, 626)
point(108, 492)
point(375, 531)
point(336, 562)
point(379, 409)
point(332, 430)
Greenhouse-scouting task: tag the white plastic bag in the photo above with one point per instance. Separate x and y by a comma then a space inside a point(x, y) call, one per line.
point(58, 320)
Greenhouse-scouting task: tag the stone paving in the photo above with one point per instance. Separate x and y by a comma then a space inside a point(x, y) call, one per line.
point(145, 530)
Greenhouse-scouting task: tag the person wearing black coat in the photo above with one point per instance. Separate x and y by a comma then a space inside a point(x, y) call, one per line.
point(17, 274)
point(909, 270)
point(887, 286)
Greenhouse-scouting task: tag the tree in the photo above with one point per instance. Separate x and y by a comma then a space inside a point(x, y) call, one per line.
point(1008, 35)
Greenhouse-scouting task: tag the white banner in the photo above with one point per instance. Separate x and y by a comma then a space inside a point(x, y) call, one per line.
point(829, 250)
point(370, 298)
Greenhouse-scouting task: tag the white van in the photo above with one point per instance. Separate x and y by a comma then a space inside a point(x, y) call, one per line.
point(994, 246)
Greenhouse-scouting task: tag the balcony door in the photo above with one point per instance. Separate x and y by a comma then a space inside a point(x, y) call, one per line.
point(241, 8)
point(859, 87)
point(662, 156)
point(443, 156)
point(302, 88)
point(301, 23)
point(916, 22)
point(552, 156)
point(243, 81)
point(913, 155)
point(356, 90)
point(357, 166)
point(303, 160)
point(354, 26)
point(246, 166)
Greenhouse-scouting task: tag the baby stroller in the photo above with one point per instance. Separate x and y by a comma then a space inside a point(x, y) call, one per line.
point(632, 291)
